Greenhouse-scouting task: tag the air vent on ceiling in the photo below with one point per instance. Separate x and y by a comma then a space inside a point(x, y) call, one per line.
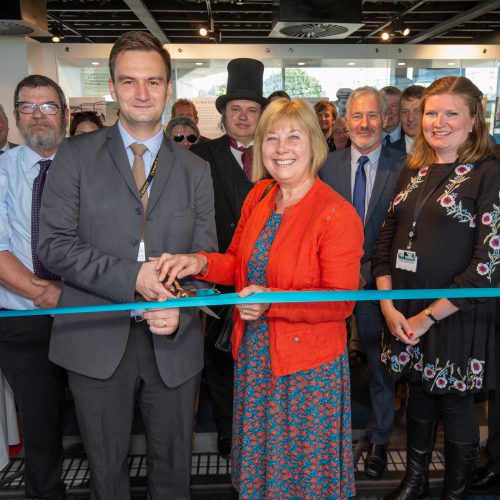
point(312, 31)
point(24, 18)
point(316, 19)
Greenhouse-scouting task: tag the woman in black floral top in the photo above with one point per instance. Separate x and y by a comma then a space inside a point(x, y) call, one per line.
point(442, 231)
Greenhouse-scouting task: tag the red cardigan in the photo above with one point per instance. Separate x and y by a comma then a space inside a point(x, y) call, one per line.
point(318, 247)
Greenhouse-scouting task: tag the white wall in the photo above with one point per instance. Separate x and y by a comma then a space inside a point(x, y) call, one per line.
point(14, 64)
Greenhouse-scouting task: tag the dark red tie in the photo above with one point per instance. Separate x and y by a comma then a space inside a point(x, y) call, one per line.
point(36, 199)
point(246, 157)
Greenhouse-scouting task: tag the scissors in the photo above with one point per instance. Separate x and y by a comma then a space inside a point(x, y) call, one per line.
point(181, 292)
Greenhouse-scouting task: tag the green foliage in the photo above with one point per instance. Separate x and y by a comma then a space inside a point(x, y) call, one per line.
point(297, 83)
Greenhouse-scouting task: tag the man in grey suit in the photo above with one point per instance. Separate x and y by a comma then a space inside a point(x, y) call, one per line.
point(365, 174)
point(114, 199)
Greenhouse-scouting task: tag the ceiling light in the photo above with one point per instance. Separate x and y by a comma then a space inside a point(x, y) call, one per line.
point(95, 63)
point(203, 32)
point(406, 31)
point(401, 64)
point(57, 33)
point(451, 63)
point(385, 35)
point(301, 63)
point(198, 63)
point(351, 64)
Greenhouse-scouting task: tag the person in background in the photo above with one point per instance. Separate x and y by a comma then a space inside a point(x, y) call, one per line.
point(230, 158)
point(38, 385)
point(441, 231)
point(182, 130)
point(184, 108)
point(326, 112)
point(5, 145)
point(83, 122)
point(365, 174)
point(392, 127)
point(277, 94)
point(340, 134)
point(292, 431)
point(410, 116)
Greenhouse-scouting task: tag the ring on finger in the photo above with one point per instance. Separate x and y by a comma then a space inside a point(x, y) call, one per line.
point(245, 311)
point(164, 322)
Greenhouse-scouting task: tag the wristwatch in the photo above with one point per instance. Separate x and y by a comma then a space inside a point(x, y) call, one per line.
point(428, 313)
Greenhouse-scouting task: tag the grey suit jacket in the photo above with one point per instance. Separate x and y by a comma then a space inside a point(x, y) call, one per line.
point(336, 172)
point(90, 230)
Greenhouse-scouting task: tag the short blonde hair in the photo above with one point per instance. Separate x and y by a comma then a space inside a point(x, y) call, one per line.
point(477, 146)
point(300, 112)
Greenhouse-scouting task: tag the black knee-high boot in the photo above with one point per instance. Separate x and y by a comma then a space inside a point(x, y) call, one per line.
point(420, 436)
point(460, 460)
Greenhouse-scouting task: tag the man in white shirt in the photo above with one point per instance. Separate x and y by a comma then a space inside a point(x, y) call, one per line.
point(411, 116)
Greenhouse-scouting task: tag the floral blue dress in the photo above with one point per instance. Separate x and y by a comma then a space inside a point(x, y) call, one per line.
point(457, 245)
point(291, 434)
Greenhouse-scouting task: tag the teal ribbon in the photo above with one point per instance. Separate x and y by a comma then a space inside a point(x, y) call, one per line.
point(270, 298)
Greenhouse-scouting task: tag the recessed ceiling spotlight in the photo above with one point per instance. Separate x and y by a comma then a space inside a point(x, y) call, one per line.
point(385, 35)
point(203, 32)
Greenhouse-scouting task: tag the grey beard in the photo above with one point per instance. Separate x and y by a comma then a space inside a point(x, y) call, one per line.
point(44, 142)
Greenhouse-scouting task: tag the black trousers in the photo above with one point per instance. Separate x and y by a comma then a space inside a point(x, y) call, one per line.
point(38, 387)
point(219, 375)
point(458, 412)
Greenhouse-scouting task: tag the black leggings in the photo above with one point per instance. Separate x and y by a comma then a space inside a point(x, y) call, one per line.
point(458, 412)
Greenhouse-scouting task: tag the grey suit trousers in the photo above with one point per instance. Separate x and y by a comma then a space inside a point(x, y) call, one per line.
point(105, 412)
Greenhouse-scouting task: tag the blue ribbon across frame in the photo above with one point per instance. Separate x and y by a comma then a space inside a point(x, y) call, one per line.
point(270, 297)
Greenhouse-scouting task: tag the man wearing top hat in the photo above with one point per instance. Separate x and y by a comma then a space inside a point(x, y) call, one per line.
point(230, 158)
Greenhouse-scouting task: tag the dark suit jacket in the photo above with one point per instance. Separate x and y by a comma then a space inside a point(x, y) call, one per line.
point(400, 144)
point(90, 230)
point(231, 186)
point(336, 172)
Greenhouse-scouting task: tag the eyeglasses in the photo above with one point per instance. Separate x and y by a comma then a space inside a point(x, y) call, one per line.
point(28, 108)
point(339, 131)
point(180, 137)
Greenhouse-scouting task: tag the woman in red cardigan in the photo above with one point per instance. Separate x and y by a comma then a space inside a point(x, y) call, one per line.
point(291, 429)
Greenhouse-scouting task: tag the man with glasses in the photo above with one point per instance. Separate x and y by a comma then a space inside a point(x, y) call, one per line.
point(41, 116)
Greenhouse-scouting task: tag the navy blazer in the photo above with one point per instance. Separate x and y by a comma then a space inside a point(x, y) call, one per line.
point(336, 172)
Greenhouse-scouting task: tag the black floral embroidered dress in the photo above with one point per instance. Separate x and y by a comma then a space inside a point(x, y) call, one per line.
point(458, 246)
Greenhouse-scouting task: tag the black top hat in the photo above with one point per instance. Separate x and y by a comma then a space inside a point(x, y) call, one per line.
point(244, 81)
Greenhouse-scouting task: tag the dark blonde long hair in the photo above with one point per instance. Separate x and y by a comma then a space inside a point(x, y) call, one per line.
point(294, 111)
point(477, 146)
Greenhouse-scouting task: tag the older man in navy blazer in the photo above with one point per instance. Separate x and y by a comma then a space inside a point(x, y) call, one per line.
point(365, 174)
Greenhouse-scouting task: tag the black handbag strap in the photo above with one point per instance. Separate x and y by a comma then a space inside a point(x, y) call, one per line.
point(268, 188)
